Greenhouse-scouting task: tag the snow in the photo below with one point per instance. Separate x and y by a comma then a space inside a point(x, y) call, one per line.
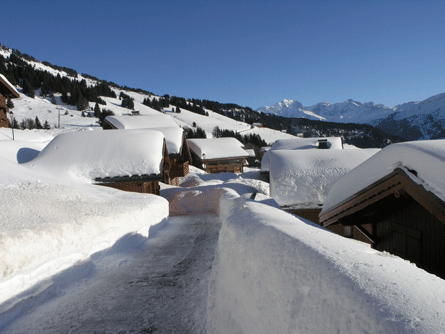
point(217, 148)
point(50, 223)
point(303, 178)
point(268, 135)
point(99, 154)
point(77, 257)
point(276, 273)
point(300, 144)
point(425, 157)
point(142, 122)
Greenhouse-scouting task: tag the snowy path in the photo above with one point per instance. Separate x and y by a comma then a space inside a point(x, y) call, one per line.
point(162, 288)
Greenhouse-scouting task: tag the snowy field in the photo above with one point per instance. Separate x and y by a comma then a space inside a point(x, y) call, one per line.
point(79, 258)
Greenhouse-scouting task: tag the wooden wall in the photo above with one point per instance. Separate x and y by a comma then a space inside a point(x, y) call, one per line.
point(147, 187)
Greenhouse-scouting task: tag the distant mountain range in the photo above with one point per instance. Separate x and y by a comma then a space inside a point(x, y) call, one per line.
point(412, 120)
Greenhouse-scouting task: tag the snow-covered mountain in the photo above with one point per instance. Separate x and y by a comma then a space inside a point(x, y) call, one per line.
point(412, 120)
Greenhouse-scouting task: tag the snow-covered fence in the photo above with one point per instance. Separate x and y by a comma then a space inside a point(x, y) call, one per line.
point(275, 273)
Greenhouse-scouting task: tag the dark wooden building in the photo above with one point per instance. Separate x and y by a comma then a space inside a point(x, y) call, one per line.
point(7, 91)
point(397, 215)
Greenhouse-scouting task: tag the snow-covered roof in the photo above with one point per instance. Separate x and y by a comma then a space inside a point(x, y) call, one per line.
point(173, 134)
point(303, 178)
point(9, 86)
point(307, 143)
point(174, 137)
point(300, 144)
point(251, 152)
point(99, 154)
point(141, 122)
point(427, 158)
point(217, 148)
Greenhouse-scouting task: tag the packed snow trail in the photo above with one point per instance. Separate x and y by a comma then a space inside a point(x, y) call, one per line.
point(161, 288)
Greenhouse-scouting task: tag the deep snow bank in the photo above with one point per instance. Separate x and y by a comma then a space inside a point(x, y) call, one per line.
point(274, 273)
point(47, 228)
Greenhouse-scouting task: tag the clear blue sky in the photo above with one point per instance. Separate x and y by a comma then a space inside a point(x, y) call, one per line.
point(252, 53)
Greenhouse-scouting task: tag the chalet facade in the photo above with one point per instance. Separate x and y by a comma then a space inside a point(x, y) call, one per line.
point(402, 212)
point(7, 91)
point(218, 155)
point(179, 153)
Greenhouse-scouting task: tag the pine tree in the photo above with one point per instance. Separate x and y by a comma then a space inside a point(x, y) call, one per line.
point(38, 124)
point(46, 126)
point(97, 111)
point(15, 124)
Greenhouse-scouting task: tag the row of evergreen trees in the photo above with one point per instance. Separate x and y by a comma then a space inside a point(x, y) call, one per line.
point(30, 124)
point(253, 139)
point(73, 92)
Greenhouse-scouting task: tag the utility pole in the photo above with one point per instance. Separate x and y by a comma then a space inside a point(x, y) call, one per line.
point(12, 124)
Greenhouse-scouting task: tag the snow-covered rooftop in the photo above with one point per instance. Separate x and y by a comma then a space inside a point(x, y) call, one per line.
point(300, 144)
point(9, 85)
point(99, 154)
point(303, 178)
point(217, 148)
point(427, 158)
point(142, 122)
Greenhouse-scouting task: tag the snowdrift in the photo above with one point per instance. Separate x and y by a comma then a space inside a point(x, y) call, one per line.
point(275, 273)
point(47, 228)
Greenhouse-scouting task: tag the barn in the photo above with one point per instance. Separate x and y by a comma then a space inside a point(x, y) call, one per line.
point(395, 201)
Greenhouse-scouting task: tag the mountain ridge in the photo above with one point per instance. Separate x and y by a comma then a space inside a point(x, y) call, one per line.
point(414, 120)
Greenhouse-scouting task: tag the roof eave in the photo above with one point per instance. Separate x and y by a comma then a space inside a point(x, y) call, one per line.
point(391, 184)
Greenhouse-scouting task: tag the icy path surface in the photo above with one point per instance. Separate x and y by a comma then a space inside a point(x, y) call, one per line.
point(160, 288)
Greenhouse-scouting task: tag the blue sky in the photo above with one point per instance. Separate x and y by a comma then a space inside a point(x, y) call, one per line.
point(252, 53)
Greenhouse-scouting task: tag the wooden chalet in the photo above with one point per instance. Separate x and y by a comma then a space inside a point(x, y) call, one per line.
point(216, 155)
point(116, 159)
point(179, 153)
point(400, 212)
point(143, 183)
point(7, 91)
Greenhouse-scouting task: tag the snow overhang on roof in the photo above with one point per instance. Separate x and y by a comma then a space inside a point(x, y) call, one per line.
point(217, 148)
point(141, 122)
point(101, 154)
point(304, 177)
point(426, 158)
point(6, 89)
